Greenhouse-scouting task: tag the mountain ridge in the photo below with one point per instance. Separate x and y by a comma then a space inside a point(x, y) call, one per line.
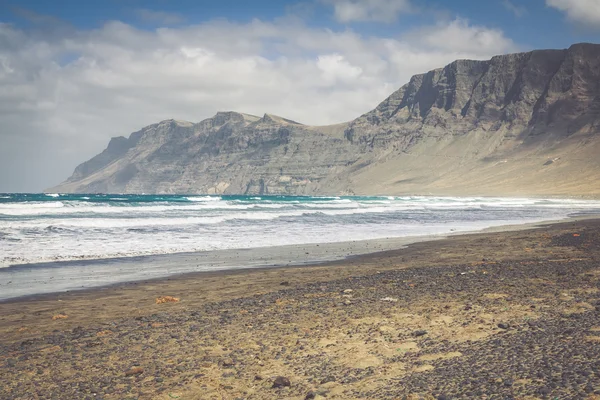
point(517, 124)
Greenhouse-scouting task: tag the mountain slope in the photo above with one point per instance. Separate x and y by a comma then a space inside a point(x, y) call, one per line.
point(518, 124)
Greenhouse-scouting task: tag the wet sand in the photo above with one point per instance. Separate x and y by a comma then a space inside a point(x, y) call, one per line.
point(42, 278)
point(488, 315)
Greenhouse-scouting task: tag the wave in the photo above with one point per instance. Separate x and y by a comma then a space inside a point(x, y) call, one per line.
point(52, 194)
point(104, 209)
point(204, 198)
point(29, 205)
point(40, 227)
point(105, 223)
point(209, 205)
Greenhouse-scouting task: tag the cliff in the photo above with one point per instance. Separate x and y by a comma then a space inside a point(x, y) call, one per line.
point(518, 124)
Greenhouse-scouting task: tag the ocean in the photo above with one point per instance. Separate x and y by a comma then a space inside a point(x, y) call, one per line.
point(39, 232)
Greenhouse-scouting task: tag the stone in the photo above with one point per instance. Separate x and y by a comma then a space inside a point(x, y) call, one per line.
point(420, 332)
point(228, 362)
point(281, 381)
point(134, 371)
point(310, 395)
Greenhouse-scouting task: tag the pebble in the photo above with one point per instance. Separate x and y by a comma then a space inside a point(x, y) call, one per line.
point(310, 395)
point(281, 381)
point(134, 371)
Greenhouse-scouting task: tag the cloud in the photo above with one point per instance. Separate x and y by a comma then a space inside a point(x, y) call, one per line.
point(63, 96)
point(369, 10)
point(460, 36)
point(586, 12)
point(517, 10)
point(159, 17)
point(336, 69)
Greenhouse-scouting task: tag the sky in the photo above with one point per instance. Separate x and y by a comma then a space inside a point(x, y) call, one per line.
point(75, 73)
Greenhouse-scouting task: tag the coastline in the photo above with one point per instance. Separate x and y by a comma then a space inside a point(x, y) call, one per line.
point(412, 321)
point(350, 328)
point(35, 280)
point(348, 263)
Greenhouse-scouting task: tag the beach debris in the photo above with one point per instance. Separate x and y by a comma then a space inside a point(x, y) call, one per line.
point(390, 299)
point(285, 283)
point(576, 235)
point(280, 382)
point(420, 332)
point(134, 371)
point(104, 333)
point(166, 299)
point(59, 316)
point(347, 291)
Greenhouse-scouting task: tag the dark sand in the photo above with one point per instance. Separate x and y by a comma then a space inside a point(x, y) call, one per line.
point(492, 315)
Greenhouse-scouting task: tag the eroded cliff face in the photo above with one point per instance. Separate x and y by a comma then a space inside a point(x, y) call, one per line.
point(229, 153)
point(540, 92)
point(518, 124)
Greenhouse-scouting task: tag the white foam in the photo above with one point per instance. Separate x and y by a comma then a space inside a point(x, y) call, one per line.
point(204, 198)
point(63, 230)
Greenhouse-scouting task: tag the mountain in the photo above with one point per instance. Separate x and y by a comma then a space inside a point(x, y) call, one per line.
point(518, 124)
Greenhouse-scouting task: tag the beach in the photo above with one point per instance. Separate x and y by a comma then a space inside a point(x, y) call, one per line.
point(508, 314)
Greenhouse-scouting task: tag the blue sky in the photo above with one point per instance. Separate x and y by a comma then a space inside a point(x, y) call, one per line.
point(73, 74)
point(532, 23)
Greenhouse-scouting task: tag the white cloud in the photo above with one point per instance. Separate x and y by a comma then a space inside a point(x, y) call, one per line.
point(586, 12)
point(516, 9)
point(336, 69)
point(369, 10)
point(63, 97)
point(461, 37)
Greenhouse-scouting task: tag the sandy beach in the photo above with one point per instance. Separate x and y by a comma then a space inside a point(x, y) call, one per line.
point(488, 315)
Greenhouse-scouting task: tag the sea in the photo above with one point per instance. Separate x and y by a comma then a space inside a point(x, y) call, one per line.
point(44, 232)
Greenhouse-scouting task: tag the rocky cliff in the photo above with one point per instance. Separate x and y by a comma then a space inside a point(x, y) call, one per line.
point(518, 124)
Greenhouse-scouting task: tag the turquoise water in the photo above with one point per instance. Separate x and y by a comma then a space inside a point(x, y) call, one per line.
point(40, 227)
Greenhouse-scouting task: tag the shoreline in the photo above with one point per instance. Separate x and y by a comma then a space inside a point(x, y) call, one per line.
point(396, 246)
point(220, 261)
point(472, 315)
